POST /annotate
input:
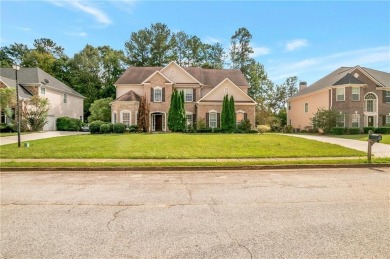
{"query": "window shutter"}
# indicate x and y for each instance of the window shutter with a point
(194, 96)
(207, 120)
(163, 94)
(383, 120)
(151, 94)
(218, 120)
(384, 96)
(245, 116)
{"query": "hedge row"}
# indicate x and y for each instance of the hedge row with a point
(102, 127)
(381, 130)
(68, 124)
(342, 131)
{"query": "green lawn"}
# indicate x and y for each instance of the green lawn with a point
(176, 146)
(364, 137)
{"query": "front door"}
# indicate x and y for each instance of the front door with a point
(158, 122)
(370, 121)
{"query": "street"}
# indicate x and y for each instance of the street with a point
(321, 213)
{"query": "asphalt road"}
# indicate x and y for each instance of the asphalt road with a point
(334, 213)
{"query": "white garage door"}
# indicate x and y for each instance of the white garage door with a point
(51, 123)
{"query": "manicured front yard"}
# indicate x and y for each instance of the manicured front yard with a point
(176, 146)
(364, 137)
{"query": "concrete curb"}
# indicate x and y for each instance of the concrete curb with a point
(192, 168)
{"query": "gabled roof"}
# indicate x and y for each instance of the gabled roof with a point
(348, 79)
(340, 75)
(34, 75)
(23, 92)
(208, 77)
(129, 97)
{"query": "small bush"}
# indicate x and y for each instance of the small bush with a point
(217, 130)
(366, 129)
(382, 130)
(245, 125)
(288, 129)
(304, 131)
(253, 131)
(105, 128)
(263, 129)
(338, 131)
(353, 131)
(133, 128)
(119, 128)
(7, 128)
(68, 124)
(94, 127)
(205, 130)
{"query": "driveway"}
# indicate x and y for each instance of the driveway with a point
(327, 213)
(378, 149)
(38, 135)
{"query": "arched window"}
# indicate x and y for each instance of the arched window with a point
(157, 94)
(306, 107)
(370, 102)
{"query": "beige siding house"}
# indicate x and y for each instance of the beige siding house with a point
(63, 100)
(361, 95)
(204, 90)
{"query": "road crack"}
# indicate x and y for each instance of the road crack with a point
(239, 244)
(114, 217)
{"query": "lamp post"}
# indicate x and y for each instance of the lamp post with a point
(16, 67)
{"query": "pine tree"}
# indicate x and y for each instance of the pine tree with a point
(177, 113)
(225, 114)
(171, 112)
(232, 113)
(181, 112)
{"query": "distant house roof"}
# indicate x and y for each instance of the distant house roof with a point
(209, 77)
(36, 75)
(128, 97)
(23, 92)
(342, 76)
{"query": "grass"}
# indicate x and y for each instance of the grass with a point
(364, 137)
(133, 146)
(14, 164)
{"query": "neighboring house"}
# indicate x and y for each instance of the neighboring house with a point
(63, 100)
(361, 95)
(204, 91)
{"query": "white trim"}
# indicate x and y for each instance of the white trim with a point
(223, 81)
(367, 74)
(216, 119)
(174, 62)
(121, 116)
(353, 93)
(114, 115)
(154, 94)
(375, 112)
(338, 94)
(152, 75)
(164, 129)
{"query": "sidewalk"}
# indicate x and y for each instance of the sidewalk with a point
(38, 135)
(378, 149)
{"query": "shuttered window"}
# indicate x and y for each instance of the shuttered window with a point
(386, 96)
(213, 120)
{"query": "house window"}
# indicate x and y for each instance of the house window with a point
(65, 98)
(126, 118)
(239, 117)
(289, 105)
(370, 102)
(213, 120)
(355, 93)
(341, 121)
(387, 96)
(188, 95)
(355, 120)
(387, 120)
(189, 119)
(136, 118)
(43, 90)
(306, 107)
(157, 94)
(340, 94)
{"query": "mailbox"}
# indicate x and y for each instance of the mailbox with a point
(375, 137)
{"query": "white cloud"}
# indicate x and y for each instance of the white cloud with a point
(78, 34)
(24, 28)
(312, 69)
(124, 5)
(85, 6)
(295, 44)
(211, 40)
(259, 51)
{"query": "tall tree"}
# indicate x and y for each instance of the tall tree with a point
(240, 49)
(225, 114)
(143, 115)
(232, 114)
(100, 110)
(176, 113)
(181, 48)
(214, 56)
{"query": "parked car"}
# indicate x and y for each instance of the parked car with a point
(85, 128)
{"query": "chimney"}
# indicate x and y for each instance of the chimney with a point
(302, 85)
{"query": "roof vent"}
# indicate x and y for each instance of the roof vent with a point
(46, 81)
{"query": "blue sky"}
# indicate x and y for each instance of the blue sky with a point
(304, 38)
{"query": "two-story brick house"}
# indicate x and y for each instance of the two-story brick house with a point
(361, 95)
(204, 90)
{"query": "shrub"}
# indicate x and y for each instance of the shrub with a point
(94, 127)
(304, 131)
(205, 130)
(217, 130)
(6, 127)
(105, 128)
(288, 129)
(338, 131)
(119, 128)
(245, 125)
(382, 130)
(133, 128)
(353, 131)
(366, 129)
(201, 123)
(68, 124)
(263, 129)
(253, 131)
